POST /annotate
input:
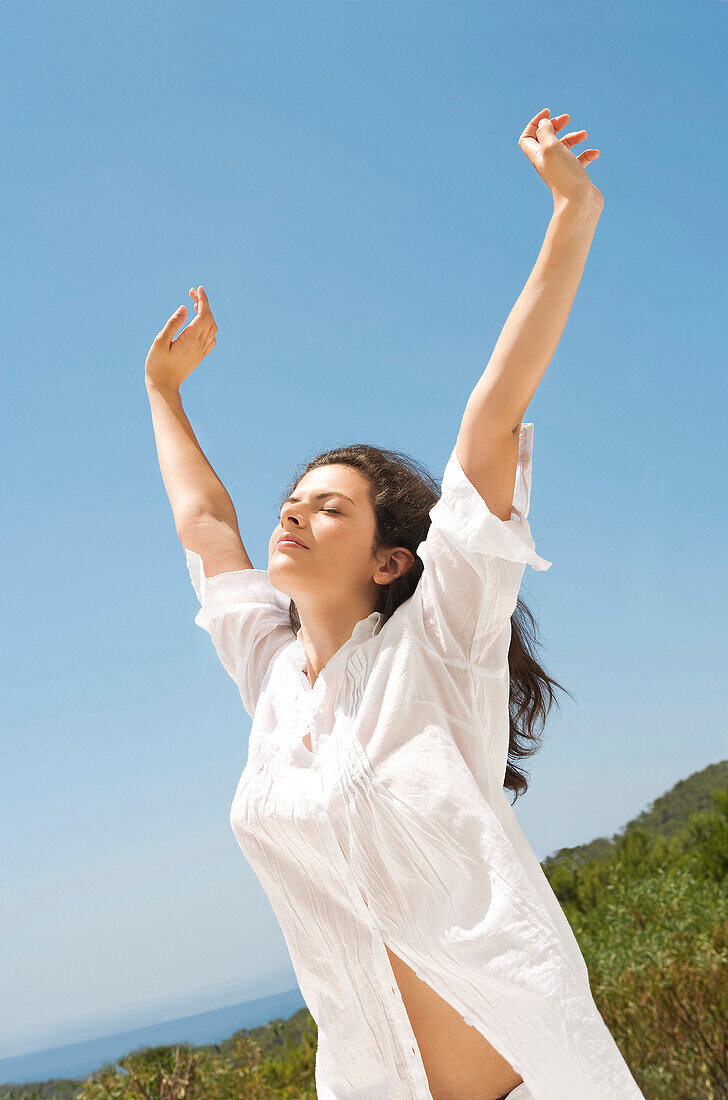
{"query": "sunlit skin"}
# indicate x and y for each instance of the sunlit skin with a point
(335, 580)
(334, 584)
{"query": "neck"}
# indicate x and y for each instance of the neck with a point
(323, 635)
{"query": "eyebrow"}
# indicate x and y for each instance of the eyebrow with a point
(320, 496)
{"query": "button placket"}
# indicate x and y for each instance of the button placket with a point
(413, 1053)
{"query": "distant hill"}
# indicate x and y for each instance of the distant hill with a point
(273, 1040)
(670, 812)
(69, 1064)
(666, 816)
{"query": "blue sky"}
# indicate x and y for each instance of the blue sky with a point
(345, 180)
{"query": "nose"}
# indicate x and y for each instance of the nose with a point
(288, 512)
(288, 522)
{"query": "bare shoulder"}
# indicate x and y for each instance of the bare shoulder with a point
(218, 544)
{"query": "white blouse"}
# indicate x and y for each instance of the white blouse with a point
(396, 828)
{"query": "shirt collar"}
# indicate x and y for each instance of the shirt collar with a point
(364, 629)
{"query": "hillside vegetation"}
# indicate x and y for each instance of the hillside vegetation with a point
(649, 908)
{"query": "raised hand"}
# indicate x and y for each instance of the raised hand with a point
(564, 173)
(169, 361)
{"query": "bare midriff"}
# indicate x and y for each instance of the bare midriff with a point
(459, 1062)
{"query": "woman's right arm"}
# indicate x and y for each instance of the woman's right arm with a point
(204, 514)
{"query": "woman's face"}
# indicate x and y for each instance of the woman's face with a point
(331, 514)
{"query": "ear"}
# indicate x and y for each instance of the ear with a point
(393, 564)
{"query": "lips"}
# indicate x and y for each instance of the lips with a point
(291, 538)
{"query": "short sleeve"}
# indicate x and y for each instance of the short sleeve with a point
(474, 561)
(247, 619)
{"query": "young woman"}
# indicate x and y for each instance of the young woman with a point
(392, 692)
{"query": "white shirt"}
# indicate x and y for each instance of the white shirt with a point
(396, 828)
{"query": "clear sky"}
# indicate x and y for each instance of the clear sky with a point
(345, 180)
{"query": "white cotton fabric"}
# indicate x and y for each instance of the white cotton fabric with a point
(396, 829)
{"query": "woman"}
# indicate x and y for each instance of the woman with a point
(380, 658)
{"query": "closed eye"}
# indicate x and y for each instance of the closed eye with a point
(330, 511)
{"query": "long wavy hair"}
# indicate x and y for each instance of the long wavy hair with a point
(402, 492)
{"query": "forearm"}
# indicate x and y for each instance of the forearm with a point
(534, 326)
(194, 489)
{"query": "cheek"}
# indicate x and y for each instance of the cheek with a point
(346, 549)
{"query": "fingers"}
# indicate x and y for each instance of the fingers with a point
(545, 134)
(198, 338)
(206, 312)
(177, 319)
(204, 322)
(203, 326)
(558, 123)
(528, 137)
(573, 139)
(541, 131)
(533, 124)
(204, 305)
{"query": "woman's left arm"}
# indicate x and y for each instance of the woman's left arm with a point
(487, 443)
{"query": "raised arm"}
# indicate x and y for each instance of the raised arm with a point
(204, 514)
(487, 444)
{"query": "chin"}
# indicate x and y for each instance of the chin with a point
(274, 569)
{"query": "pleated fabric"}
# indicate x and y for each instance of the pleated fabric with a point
(395, 828)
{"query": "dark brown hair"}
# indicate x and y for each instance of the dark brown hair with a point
(402, 492)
